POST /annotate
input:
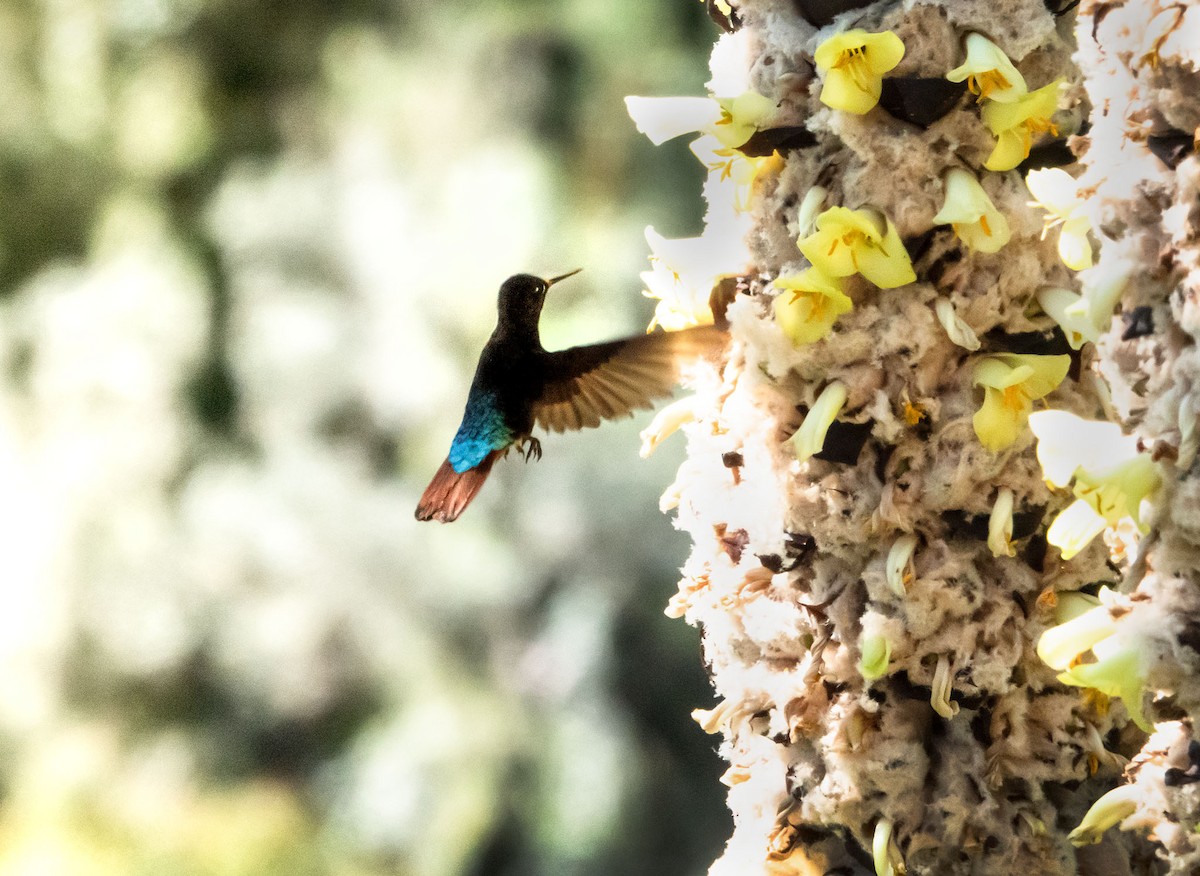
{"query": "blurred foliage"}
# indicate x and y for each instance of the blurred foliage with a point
(248, 251)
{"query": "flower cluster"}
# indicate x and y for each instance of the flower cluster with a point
(1117, 667)
(1011, 112)
(683, 272)
(1111, 477)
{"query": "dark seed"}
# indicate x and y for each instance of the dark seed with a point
(1049, 343)
(844, 442)
(1139, 322)
(1034, 554)
(1171, 148)
(821, 12)
(920, 100)
(763, 143)
(1056, 153)
(1060, 7)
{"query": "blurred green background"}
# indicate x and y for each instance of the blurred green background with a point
(248, 252)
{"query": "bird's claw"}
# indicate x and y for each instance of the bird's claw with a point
(530, 446)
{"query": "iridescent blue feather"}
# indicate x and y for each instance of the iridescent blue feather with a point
(483, 430)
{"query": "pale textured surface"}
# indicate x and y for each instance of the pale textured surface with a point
(1143, 65)
(818, 755)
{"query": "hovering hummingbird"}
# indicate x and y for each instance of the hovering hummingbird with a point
(518, 382)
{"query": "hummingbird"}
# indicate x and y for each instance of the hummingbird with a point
(519, 383)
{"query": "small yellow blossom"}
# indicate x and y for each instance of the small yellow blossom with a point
(1118, 671)
(912, 412)
(989, 72)
(899, 566)
(741, 117)
(809, 304)
(683, 273)
(860, 241)
(810, 437)
(732, 120)
(1075, 527)
(1096, 652)
(941, 687)
(956, 327)
(853, 63)
(1000, 525)
(667, 421)
(1067, 442)
(1056, 192)
(1117, 492)
(743, 173)
(1068, 309)
(810, 207)
(1109, 811)
(1014, 125)
(1111, 476)
(971, 213)
(1011, 383)
(876, 652)
(1061, 645)
(885, 853)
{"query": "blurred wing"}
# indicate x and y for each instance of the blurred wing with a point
(602, 381)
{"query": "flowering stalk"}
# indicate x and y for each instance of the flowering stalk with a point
(870, 612)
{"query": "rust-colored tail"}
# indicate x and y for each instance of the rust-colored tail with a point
(450, 492)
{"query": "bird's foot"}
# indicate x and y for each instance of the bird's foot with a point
(530, 446)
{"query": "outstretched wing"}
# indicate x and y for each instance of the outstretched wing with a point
(602, 381)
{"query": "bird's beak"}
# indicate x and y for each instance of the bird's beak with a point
(554, 280)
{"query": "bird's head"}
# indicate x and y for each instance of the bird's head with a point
(522, 295)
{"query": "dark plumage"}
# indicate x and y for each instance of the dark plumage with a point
(519, 383)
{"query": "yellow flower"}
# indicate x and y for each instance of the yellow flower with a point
(1069, 310)
(876, 652)
(814, 303)
(1000, 525)
(1109, 811)
(956, 327)
(1117, 492)
(941, 688)
(885, 853)
(741, 116)
(806, 216)
(1118, 668)
(667, 421)
(1119, 671)
(810, 437)
(732, 120)
(1014, 125)
(683, 273)
(741, 172)
(1011, 382)
(899, 566)
(971, 213)
(859, 241)
(989, 72)
(853, 63)
(1067, 442)
(1056, 192)
(1060, 645)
